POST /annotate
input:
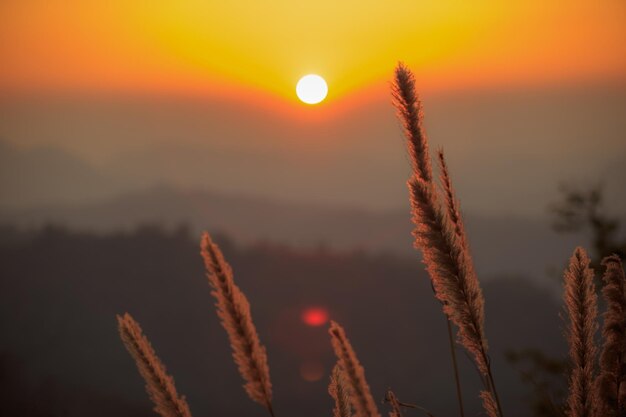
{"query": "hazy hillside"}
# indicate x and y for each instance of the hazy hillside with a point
(47, 185)
(508, 149)
(49, 175)
(60, 352)
(496, 241)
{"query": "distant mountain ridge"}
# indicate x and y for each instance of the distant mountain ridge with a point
(43, 176)
(496, 241)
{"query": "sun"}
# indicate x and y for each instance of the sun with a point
(311, 89)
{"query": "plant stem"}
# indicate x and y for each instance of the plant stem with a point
(456, 368)
(491, 383)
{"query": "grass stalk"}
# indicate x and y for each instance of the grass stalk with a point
(440, 235)
(340, 392)
(360, 394)
(580, 301)
(233, 309)
(159, 385)
(455, 366)
(611, 381)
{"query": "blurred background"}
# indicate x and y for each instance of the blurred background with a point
(127, 128)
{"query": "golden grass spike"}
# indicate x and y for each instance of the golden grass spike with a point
(360, 395)
(159, 385)
(339, 390)
(452, 204)
(441, 240)
(409, 109)
(612, 377)
(580, 302)
(455, 284)
(489, 403)
(234, 311)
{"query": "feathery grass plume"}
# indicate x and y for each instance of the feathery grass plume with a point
(452, 204)
(580, 302)
(489, 403)
(409, 109)
(612, 375)
(159, 385)
(443, 254)
(444, 249)
(360, 395)
(338, 389)
(454, 216)
(234, 311)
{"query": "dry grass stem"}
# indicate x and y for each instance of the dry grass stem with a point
(489, 403)
(440, 236)
(338, 389)
(234, 311)
(410, 113)
(360, 395)
(455, 284)
(452, 204)
(454, 216)
(580, 302)
(448, 264)
(159, 385)
(611, 382)
(455, 368)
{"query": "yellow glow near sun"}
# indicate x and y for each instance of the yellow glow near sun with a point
(181, 46)
(312, 89)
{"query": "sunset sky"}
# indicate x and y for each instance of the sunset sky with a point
(259, 47)
(202, 93)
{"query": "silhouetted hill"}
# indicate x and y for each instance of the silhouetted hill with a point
(60, 291)
(497, 242)
(49, 175)
(508, 149)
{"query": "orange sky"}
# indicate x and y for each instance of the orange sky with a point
(211, 47)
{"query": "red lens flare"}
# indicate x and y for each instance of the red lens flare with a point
(312, 371)
(315, 316)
